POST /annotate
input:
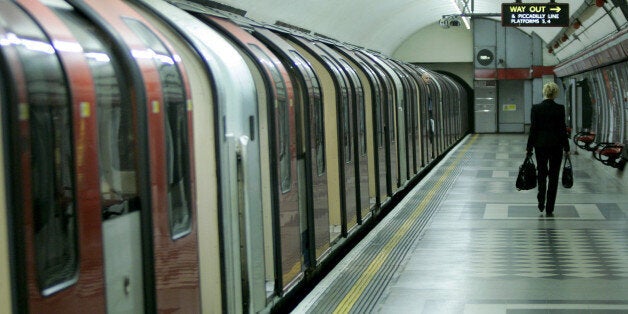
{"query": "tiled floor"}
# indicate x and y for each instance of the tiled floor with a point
(487, 249)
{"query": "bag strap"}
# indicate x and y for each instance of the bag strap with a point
(529, 159)
(567, 161)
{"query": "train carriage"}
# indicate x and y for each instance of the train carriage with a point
(166, 156)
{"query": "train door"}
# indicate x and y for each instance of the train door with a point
(120, 210)
(375, 132)
(56, 231)
(287, 153)
(397, 119)
(335, 102)
(382, 129)
(357, 121)
(485, 117)
(347, 144)
(366, 123)
(424, 116)
(440, 115)
(451, 110)
(227, 164)
(456, 116)
(405, 115)
(433, 100)
(308, 97)
(389, 117)
(511, 115)
(454, 110)
(444, 111)
(163, 175)
(411, 123)
(359, 139)
(415, 118)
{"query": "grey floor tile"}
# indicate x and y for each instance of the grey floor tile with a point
(519, 261)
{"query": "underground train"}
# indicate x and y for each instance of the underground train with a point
(596, 86)
(163, 156)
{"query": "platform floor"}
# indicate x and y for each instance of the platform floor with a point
(466, 241)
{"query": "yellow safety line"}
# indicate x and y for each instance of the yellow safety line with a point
(358, 288)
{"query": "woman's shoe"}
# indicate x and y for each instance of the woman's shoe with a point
(541, 207)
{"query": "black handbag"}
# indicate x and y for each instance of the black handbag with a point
(567, 173)
(526, 179)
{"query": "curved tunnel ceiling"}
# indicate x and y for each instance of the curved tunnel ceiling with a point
(384, 25)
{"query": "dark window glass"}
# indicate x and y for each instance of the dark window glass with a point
(283, 120)
(48, 112)
(317, 114)
(319, 122)
(176, 131)
(116, 136)
(360, 107)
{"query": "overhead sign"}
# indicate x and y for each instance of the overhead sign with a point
(535, 14)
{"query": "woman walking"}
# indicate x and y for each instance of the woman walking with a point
(549, 138)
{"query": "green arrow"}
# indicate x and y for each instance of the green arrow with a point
(556, 9)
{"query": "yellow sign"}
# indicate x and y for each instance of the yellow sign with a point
(509, 107)
(155, 105)
(85, 109)
(535, 14)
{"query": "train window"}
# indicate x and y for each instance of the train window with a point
(283, 121)
(118, 180)
(379, 125)
(347, 132)
(317, 114)
(319, 122)
(280, 84)
(176, 130)
(360, 107)
(49, 117)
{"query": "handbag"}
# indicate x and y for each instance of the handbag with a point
(567, 178)
(526, 179)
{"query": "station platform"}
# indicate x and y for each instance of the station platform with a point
(464, 240)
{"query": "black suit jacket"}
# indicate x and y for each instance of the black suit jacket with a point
(548, 127)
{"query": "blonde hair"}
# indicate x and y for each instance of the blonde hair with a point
(550, 90)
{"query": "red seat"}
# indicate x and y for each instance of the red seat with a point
(585, 140)
(610, 154)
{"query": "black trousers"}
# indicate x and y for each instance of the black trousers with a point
(548, 161)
